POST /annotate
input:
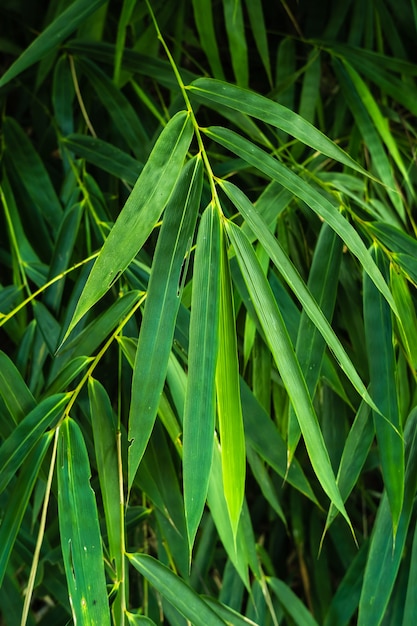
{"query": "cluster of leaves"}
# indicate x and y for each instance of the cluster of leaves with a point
(208, 313)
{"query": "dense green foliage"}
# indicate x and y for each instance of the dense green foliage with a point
(208, 327)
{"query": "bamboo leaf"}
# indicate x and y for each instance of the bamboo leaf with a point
(105, 156)
(79, 530)
(316, 201)
(19, 499)
(140, 213)
(203, 15)
(17, 397)
(200, 401)
(270, 112)
(287, 364)
(161, 308)
(284, 265)
(18, 445)
(65, 24)
(233, 19)
(382, 368)
(386, 547)
(105, 444)
(228, 399)
(175, 590)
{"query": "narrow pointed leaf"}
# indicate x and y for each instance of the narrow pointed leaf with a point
(386, 548)
(140, 213)
(316, 201)
(105, 444)
(228, 399)
(52, 36)
(382, 368)
(161, 308)
(288, 366)
(176, 591)
(200, 401)
(80, 531)
(16, 395)
(19, 500)
(295, 282)
(17, 446)
(270, 112)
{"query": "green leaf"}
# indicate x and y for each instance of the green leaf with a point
(200, 401)
(228, 398)
(310, 347)
(31, 172)
(270, 112)
(203, 15)
(382, 368)
(79, 530)
(176, 591)
(386, 549)
(16, 395)
(140, 213)
(18, 501)
(161, 308)
(257, 23)
(52, 36)
(291, 275)
(314, 199)
(105, 156)
(287, 364)
(233, 20)
(291, 603)
(105, 445)
(18, 445)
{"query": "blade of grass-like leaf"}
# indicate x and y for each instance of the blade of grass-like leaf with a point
(200, 401)
(410, 608)
(381, 123)
(65, 376)
(228, 398)
(407, 321)
(386, 549)
(31, 172)
(119, 108)
(316, 201)
(140, 213)
(270, 112)
(355, 453)
(294, 280)
(382, 369)
(264, 437)
(291, 603)
(79, 529)
(203, 15)
(105, 156)
(310, 347)
(16, 395)
(161, 308)
(176, 591)
(17, 446)
(52, 36)
(18, 501)
(258, 28)
(366, 119)
(65, 241)
(122, 26)
(346, 599)
(105, 444)
(287, 364)
(233, 19)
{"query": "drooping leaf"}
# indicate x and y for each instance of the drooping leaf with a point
(140, 213)
(162, 304)
(200, 402)
(79, 529)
